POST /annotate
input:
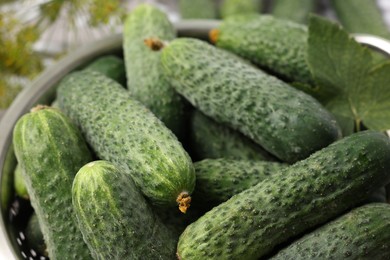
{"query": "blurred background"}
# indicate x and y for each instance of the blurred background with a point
(34, 34)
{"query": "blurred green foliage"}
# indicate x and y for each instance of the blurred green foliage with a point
(18, 61)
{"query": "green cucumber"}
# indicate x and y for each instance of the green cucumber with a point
(199, 9)
(361, 16)
(110, 66)
(285, 205)
(283, 120)
(277, 45)
(293, 10)
(123, 131)
(34, 235)
(217, 180)
(19, 183)
(50, 150)
(114, 217)
(146, 81)
(208, 139)
(363, 233)
(242, 7)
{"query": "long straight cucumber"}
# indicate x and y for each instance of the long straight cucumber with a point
(309, 193)
(146, 81)
(363, 233)
(283, 120)
(50, 150)
(123, 131)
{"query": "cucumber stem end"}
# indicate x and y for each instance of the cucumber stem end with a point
(184, 200)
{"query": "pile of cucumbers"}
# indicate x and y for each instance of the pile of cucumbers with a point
(185, 150)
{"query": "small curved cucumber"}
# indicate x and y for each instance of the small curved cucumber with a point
(123, 131)
(307, 194)
(362, 233)
(50, 150)
(114, 217)
(285, 121)
(209, 139)
(217, 180)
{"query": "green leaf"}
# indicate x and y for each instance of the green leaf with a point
(374, 101)
(356, 90)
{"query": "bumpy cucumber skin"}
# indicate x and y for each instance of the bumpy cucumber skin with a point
(123, 131)
(114, 217)
(286, 122)
(306, 194)
(212, 140)
(50, 150)
(363, 233)
(275, 44)
(146, 81)
(110, 66)
(217, 180)
(361, 16)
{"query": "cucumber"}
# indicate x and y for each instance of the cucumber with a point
(123, 131)
(217, 180)
(50, 151)
(208, 139)
(114, 217)
(361, 16)
(34, 235)
(283, 120)
(19, 183)
(277, 45)
(242, 7)
(199, 9)
(146, 81)
(285, 205)
(362, 233)
(293, 10)
(110, 66)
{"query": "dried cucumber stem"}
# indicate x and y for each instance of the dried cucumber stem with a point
(39, 107)
(184, 200)
(213, 35)
(154, 44)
